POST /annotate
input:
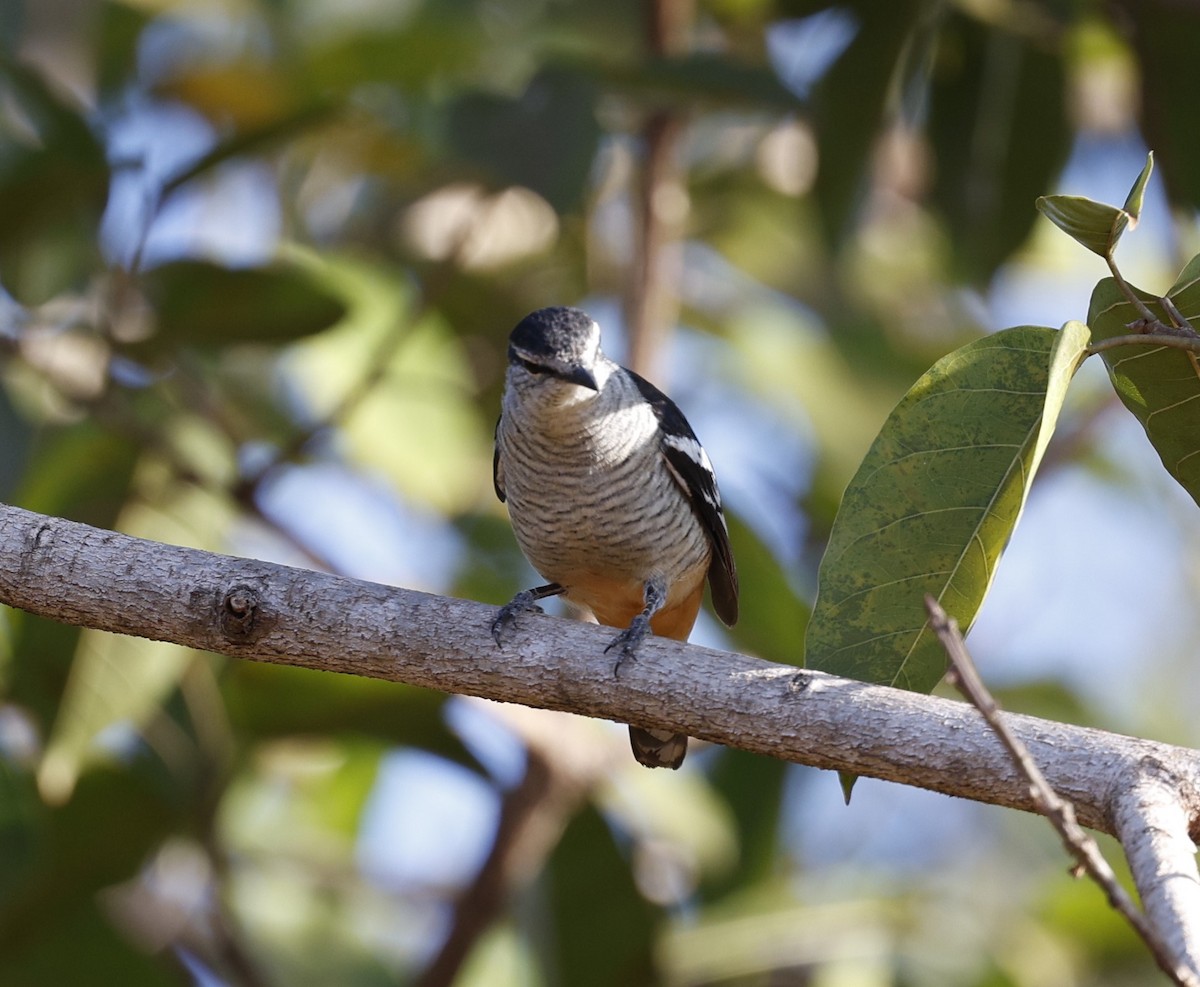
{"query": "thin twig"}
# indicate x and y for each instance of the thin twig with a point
(652, 300)
(533, 815)
(1129, 293)
(1177, 318)
(1191, 343)
(1061, 813)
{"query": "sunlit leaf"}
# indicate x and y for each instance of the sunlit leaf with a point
(1158, 384)
(115, 680)
(1097, 225)
(1133, 201)
(198, 303)
(416, 375)
(934, 503)
(501, 958)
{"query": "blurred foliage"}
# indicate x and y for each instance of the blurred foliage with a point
(258, 260)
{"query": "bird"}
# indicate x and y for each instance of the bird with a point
(612, 498)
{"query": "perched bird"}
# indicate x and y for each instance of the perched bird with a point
(612, 497)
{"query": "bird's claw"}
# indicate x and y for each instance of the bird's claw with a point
(523, 602)
(628, 641)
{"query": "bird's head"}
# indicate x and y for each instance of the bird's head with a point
(558, 343)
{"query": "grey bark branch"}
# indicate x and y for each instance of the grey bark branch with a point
(1152, 824)
(266, 612)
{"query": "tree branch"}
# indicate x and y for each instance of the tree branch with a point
(266, 612)
(1152, 822)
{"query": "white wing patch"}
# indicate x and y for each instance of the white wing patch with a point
(691, 447)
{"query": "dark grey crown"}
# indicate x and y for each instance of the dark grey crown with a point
(561, 335)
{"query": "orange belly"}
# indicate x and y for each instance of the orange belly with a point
(615, 603)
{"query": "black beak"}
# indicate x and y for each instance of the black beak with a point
(579, 375)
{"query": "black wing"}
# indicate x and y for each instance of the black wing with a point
(497, 479)
(694, 473)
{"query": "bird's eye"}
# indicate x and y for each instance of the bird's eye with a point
(533, 368)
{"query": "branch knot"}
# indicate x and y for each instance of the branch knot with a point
(240, 611)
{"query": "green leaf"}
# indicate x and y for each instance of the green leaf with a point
(266, 701)
(437, 42)
(1097, 225)
(22, 822)
(16, 437)
(1133, 201)
(53, 189)
(773, 615)
(1163, 39)
(934, 503)
(117, 37)
(753, 788)
(703, 78)
(999, 140)
(258, 139)
(1158, 384)
(81, 946)
(102, 836)
(852, 102)
(590, 889)
(546, 140)
(201, 303)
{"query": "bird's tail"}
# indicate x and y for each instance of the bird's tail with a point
(658, 748)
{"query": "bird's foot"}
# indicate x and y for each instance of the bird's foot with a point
(524, 602)
(628, 641)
